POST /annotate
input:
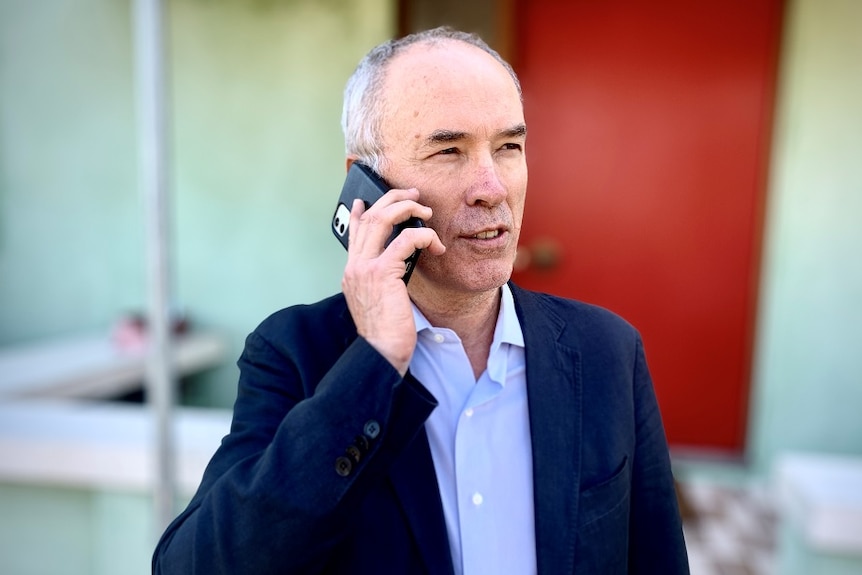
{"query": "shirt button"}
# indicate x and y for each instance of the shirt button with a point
(438, 337)
(468, 412)
(477, 499)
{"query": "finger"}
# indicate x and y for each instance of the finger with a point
(372, 228)
(356, 211)
(397, 206)
(412, 239)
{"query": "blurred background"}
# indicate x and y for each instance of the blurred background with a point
(695, 168)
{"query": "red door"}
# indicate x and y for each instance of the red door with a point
(649, 132)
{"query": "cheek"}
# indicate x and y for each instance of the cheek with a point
(517, 201)
(440, 219)
(440, 198)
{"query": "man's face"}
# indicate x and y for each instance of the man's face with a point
(453, 127)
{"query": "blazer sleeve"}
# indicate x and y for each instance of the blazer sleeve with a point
(309, 437)
(656, 543)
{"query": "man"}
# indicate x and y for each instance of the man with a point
(453, 425)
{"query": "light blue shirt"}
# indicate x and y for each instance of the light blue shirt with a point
(480, 443)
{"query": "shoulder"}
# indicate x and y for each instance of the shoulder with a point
(571, 315)
(332, 308)
(599, 335)
(327, 321)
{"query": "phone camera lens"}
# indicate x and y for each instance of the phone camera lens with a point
(339, 225)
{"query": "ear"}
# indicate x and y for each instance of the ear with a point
(350, 160)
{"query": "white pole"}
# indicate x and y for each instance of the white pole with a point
(154, 177)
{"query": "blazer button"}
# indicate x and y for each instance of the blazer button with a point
(354, 453)
(362, 442)
(372, 429)
(343, 466)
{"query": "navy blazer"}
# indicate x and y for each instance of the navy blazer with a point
(327, 467)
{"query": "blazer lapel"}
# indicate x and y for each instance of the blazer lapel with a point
(415, 483)
(554, 398)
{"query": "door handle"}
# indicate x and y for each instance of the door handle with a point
(540, 254)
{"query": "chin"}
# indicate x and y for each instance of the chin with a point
(477, 279)
(495, 278)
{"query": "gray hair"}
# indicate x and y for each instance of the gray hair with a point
(362, 115)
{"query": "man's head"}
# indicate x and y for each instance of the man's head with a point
(362, 110)
(441, 112)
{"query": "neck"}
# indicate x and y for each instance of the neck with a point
(472, 316)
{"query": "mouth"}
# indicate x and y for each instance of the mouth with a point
(487, 235)
(487, 239)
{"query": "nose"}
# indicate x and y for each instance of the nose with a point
(486, 187)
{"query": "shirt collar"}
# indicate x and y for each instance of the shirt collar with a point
(508, 329)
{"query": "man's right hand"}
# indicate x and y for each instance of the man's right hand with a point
(376, 295)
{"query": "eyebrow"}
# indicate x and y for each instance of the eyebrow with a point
(519, 131)
(448, 136)
(445, 137)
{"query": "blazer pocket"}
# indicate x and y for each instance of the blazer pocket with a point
(603, 498)
(604, 524)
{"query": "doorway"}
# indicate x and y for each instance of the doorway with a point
(649, 138)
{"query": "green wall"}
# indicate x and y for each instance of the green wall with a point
(808, 382)
(259, 157)
(70, 239)
(46, 531)
(50, 530)
(257, 162)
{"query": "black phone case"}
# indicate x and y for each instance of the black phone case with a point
(364, 184)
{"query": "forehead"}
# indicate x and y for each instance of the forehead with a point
(447, 85)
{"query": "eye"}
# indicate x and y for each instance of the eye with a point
(512, 146)
(448, 151)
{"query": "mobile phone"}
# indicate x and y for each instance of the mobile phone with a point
(364, 184)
